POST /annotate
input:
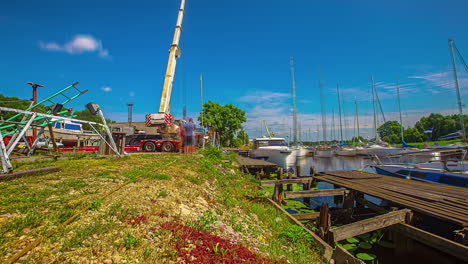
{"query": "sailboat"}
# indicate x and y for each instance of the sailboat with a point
(350, 151)
(323, 151)
(299, 149)
(376, 149)
(450, 172)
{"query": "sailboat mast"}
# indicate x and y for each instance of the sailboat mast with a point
(375, 108)
(357, 118)
(322, 104)
(339, 112)
(294, 101)
(399, 110)
(333, 125)
(460, 105)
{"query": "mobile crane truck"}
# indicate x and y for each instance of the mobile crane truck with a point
(167, 138)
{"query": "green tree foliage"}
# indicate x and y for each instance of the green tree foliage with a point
(87, 116)
(413, 135)
(16, 103)
(243, 136)
(441, 125)
(226, 120)
(390, 132)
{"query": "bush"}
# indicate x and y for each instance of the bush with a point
(212, 153)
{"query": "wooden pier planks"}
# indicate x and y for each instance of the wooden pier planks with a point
(444, 202)
(254, 163)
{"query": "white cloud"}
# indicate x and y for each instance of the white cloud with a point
(441, 81)
(78, 45)
(106, 89)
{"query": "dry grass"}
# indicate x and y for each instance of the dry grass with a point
(125, 227)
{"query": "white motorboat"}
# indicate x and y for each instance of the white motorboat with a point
(274, 150)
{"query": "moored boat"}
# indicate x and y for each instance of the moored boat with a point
(274, 150)
(443, 172)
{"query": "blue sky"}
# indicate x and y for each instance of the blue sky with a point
(118, 50)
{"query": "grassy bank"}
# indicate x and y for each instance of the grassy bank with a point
(166, 208)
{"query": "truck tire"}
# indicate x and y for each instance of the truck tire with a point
(167, 147)
(149, 147)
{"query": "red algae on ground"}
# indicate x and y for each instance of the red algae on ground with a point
(195, 246)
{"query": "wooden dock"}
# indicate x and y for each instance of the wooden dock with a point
(408, 202)
(444, 202)
(255, 166)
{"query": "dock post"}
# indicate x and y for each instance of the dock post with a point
(324, 220)
(312, 171)
(279, 176)
(289, 186)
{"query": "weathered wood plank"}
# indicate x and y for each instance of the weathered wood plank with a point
(287, 181)
(326, 250)
(20, 174)
(341, 255)
(315, 193)
(306, 216)
(369, 225)
(450, 247)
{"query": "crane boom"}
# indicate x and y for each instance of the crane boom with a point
(174, 53)
(270, 134)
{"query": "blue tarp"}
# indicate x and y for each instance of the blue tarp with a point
(406, 145)
(450, 136)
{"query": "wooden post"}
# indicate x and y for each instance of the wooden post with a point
(278, 194)
(324, 220)
(306, 187)
(280, 174)
(52, 136)
(289, 186)
(298, 171)
(313, 170)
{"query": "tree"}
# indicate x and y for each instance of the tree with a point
(243, 136)
(441, 125)
(390, 132)
(87, 116)
(413, 135)
(224, 120)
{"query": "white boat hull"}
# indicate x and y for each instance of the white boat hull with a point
(284, 158)
(324, 153)
(346, 152)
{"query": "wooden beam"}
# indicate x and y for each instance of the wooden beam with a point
(306, 216)
(315, 193)
(287, 181)
(20, 174)
(369, 225)
(325, 249)
(371, 205)
(341, 255)
(448, 246)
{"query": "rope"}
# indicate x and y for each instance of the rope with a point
(460, 57)
(69, 220)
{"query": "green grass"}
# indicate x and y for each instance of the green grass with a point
(45, 201)
(433, 143)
